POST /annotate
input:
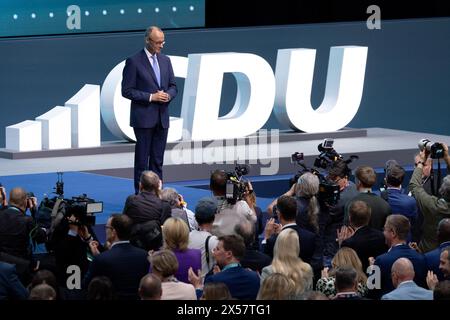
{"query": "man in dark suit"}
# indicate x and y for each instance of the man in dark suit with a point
(123, 264)
(253, 259)
(242, 283)
(149, 82)
(287, 213)
(395, 232)
(366, 241)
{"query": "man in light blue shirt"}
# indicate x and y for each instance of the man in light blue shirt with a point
(402, 279)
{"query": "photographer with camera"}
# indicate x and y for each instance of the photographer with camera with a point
(70, 242)
(228, 214)
(433, 208)
(339, 174)
(15, 231)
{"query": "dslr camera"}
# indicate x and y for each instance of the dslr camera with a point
(236, 186)
(434, 149)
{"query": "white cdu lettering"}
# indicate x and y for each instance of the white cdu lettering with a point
(343, 93)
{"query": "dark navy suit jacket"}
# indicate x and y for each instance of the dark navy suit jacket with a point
(243, 284)
(367, 242)
(139, 81)
(386, 260)
(307, 239)
(124, 265)
(433, 257)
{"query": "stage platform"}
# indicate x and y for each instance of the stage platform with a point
(268, 154)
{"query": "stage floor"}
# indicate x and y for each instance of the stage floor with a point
(187, 162)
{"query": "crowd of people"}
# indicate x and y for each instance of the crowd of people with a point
(390, 245)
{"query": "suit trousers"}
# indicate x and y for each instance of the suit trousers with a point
(149, 151)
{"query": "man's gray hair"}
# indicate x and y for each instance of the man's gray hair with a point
(150, 30)
(171, 196)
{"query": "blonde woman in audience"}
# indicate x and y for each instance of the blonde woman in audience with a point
(287, 262)
(216, 291)
(345, 257)
(176, 238)
(164, 264)
(275, 287)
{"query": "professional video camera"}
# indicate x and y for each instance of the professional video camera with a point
(236, 185)
(52, 210)
(327, 154)
(83, 208)
(435, 149)
(329, 192)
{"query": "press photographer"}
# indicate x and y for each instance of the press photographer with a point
(71, 221)
(433, 208)
(229, 189)
(70, 239)
(15, 230)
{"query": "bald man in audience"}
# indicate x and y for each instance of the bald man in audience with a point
(403, 280)
(150, 288)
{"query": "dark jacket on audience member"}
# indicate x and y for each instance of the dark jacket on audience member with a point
(15, 228)
(243, 284)
(124, 265)
(146, 206)
(367, 242)
(386, 260)
(307, 240)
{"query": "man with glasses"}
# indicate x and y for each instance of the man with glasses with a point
(149, 82)
(123, 264)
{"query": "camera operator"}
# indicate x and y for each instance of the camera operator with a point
(228, 215)
(339, 174)
(15, 230)
(433, 208)
(70, 243)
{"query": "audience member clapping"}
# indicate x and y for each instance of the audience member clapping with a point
(176, 239)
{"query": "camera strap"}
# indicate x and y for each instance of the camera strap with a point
(207, 249)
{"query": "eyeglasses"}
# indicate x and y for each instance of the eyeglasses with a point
(157, 42)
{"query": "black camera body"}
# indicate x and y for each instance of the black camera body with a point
(83, 208)
(435, 149)
(236, 186)
(329, 192)
(327, 154)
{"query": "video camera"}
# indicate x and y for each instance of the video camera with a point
(435, 149)
(329, 192)
(236, 186)
(327, 154)
(82, 207)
